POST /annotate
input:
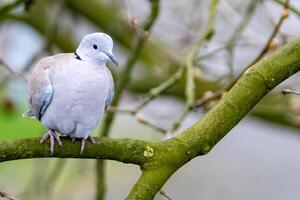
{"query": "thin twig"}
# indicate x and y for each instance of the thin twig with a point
(154, 92)
(210, 54)
(143, 121)
(7, 7)
(6, 196)
(138, 117)
(189, 63)
(219, 49)
(273, 22)
(238, 31)
(284, 15)
(294, 9)
(205, 37)
(163, 193)
(176, 125)
(289, 91)
(11, 71)
(50, 33)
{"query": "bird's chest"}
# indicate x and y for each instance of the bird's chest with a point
(81, 87)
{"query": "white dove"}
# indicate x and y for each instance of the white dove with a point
(69, 92)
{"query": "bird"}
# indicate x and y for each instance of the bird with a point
(70, 92)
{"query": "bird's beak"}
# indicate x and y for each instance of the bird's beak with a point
(111, 57)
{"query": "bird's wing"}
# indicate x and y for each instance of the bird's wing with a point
(40, 88)
(111, 91)
(109, 98)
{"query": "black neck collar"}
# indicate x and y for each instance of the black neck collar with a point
(77, 56)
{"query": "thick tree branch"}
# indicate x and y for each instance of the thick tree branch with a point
(150, 182)
(123, 150)
(159, 161)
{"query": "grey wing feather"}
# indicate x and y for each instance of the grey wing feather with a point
(111, 91)
(40, 89)
(109, 98)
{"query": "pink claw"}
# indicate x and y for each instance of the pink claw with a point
(82, 146)
(92, 139)
(51, 134)
(83, 143)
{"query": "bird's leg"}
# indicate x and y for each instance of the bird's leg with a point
(58, 139)
(51, 134)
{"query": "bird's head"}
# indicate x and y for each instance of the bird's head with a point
(96, 48)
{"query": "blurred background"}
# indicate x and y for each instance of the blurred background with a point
(259, 159)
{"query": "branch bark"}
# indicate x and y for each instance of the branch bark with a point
(123, 150)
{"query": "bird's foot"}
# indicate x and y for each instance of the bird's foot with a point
(83, 143)
(51, 134)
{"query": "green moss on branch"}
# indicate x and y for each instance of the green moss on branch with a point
(123, 150)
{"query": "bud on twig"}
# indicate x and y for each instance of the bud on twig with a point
(289, 91)
(134, 22)
(285, 13)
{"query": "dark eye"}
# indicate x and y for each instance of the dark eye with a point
(95, 46)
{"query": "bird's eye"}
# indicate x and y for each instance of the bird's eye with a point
(95, 46)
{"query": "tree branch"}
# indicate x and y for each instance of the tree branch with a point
(160, 160)
(150, 182)
(123, 150)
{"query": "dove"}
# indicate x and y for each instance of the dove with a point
(69, 92)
